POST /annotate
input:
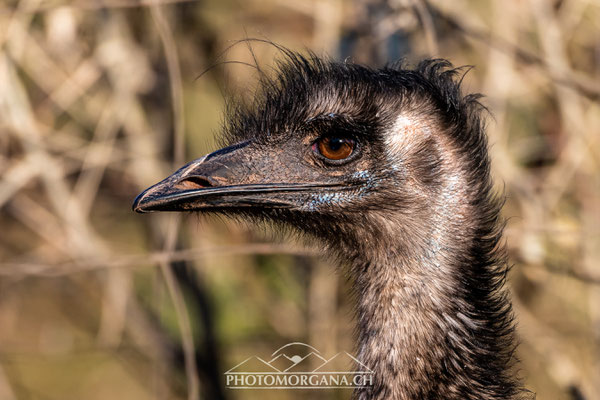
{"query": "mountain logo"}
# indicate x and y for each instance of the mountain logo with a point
(299, 366)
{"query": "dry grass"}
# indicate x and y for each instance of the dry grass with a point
(98, 100)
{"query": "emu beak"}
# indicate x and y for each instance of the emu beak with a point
(233, 177)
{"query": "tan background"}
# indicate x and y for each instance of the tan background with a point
(98, 100)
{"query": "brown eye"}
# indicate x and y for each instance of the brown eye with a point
(335, 148)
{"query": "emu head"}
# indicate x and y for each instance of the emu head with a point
(337, 150)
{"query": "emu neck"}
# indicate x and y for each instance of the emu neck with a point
(431, 322)
(403, 334)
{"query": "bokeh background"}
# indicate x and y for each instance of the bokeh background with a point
(101, 98)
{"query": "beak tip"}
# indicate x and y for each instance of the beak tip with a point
(138, 205)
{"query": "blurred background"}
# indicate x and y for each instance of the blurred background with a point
(101, 98)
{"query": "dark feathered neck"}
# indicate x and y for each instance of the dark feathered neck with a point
(434, 318)
(425, 338)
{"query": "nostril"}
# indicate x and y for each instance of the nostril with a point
(194, 182)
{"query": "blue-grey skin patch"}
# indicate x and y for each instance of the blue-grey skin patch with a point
(369, 183)
(361, 175)
(315, 201)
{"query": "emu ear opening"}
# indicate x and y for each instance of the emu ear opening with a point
(405, 134)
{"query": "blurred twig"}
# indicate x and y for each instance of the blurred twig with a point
(49, 269)
(589, 88)
(181, 310)
(47, 5)
(428, 26)
(6, 392)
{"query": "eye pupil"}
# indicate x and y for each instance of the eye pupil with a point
(335, 148)
(336, 143)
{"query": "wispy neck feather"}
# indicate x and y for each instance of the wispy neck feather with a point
(434, 320)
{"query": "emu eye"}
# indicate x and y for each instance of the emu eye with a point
(335, 148)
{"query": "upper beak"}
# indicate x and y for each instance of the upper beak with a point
(223, 179)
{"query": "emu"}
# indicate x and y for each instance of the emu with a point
(389, 169)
